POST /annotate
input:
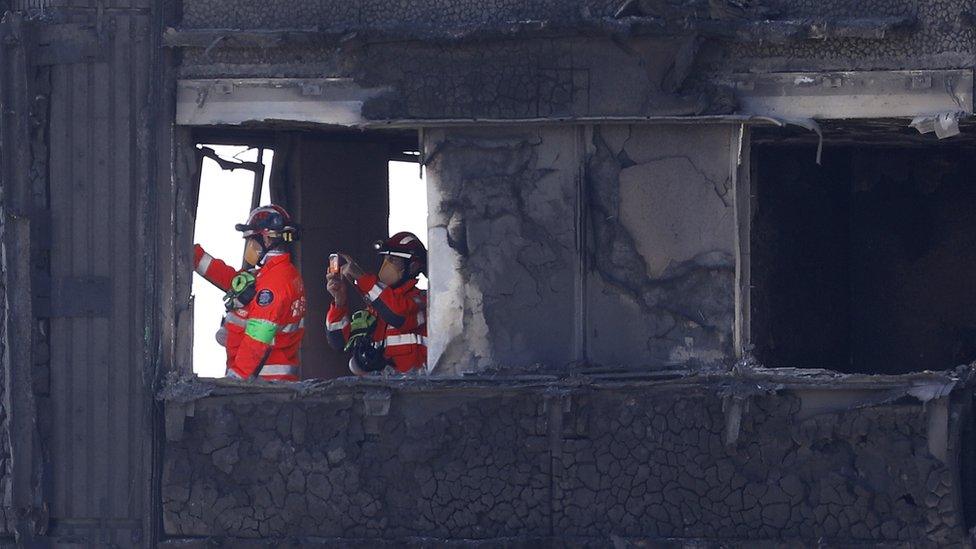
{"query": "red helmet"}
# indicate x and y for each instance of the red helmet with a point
(407, 246)
(271, 221)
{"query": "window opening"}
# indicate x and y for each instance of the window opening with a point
(864, 263)
(408, 202)
(233, 181)
(345, 189)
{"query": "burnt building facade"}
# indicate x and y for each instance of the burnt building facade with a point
(699, 272)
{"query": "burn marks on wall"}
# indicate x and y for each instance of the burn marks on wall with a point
(813, 457)
(338, 467)
(941, 38)
(660, 247)
(610, 245)
(503, 246)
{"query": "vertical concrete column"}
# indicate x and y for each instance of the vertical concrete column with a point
(504, 247)
(661, 247)
(342, 197)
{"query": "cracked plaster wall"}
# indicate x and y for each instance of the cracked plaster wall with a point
(660, 289)
(520, 462)
(611, 245)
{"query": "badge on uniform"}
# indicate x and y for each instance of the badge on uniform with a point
(265, 297)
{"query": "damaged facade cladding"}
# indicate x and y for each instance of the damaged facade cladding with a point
(616, 231)
(754, 455)
(589, 192)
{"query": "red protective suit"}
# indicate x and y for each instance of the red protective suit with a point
(269, 329)
(401, 322)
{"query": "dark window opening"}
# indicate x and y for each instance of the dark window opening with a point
(346, 189)
(864, 263)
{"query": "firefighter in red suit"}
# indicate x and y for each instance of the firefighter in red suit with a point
(398, 336)
(263, 328)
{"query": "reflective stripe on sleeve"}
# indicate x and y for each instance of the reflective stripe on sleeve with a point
(279, 370)
(405, 339)
(235, 319)
(336, 326)
(261, 330)
(375, 291)
(232, 374)
(204, 264)
(293, 327)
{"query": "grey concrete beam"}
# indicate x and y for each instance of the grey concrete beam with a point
(332, 101)
(862, 94)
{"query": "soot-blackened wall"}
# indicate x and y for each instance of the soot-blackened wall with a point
(761, 457)
(610, 245)
(940, 37)
(660, 252)
(864, 263)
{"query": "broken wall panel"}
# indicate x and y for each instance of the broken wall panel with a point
(504, 258)
(660, 245)
(796, 457)
(642, 275)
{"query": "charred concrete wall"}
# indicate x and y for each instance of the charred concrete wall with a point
(759, 456)
(610, 245)
(503, 237)
(941, 35)
(660, 244)
(532, 78)
(503, 60)
(380, 14)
